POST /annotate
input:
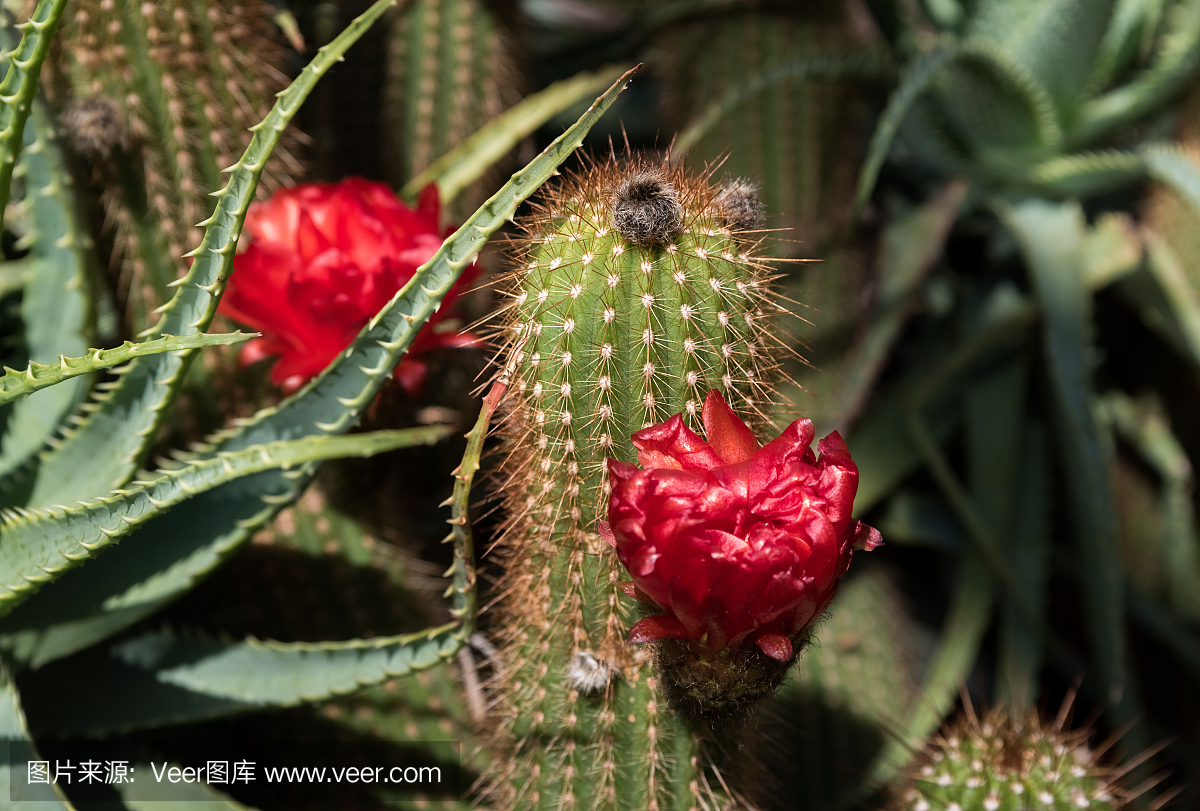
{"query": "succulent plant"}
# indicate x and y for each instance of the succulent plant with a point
(997, 763)
(630, 298)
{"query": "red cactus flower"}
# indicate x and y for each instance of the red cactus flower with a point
(735, 542)
(322, 260)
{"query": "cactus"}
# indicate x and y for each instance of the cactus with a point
(631, 298)
(450, 71)
(999, 763)
(789, 137)
(160, 97)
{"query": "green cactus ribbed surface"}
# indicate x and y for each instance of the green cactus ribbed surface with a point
(451, 69)
(793, 138)
(160, 97)
(1001, 764)
(606, 336)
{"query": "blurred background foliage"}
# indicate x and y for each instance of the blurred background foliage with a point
(986, 216)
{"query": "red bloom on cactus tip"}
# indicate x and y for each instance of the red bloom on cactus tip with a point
(321, 261)
(737, 543)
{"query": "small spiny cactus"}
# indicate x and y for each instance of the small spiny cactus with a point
(999, 763)
(631, 298)
(159, 98)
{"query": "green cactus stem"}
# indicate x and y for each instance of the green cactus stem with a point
(159, 98)
(630, 299)
(451, 69)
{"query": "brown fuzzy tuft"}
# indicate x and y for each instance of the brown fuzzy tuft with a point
(95, 127)
(741, 209)
(646, 208)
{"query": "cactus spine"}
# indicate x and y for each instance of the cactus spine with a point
(161, 97)
(631, 298)
(1002, 764)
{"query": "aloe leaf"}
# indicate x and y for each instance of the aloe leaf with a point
(158, 679)
(1181, 314)
(883, 450)
(1033, 32)
(1028, 551)
(172, 552)
(1174, 59)
(1130, 29)
(105, 451)
(39, 545)
(470, 159)
(17, 747)
(1051, 237)
(1147, 430)
(56, 307)
(915, 82)
(996, 444)
(1176, 166)
(20, 86)
(1112, 250)
(1087, 173)
(912, 244)
(17, 383)
(1002, 107)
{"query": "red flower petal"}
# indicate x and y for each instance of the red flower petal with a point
(777, 646)
(731, 438)
(322, 259)
(652, 628)
(672, 444)
(735, 542)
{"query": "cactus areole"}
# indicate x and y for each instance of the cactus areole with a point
(635, 293)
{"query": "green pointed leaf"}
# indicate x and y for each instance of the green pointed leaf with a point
(1087, 173)
(20, 86)
(164, 559)
(1130, 30)
(1174, 59)
(1179, 312)
(1145, 427)
(1176, 166)
(915, 82)
(56, 308)
(17, 383)
(1034, 33)
(1003, 110)
(912, 244)
(1051, 237)
(16, 742)
(1028, 552)
(104, 452)
(39, 545)
(161, 679)
(470, 159)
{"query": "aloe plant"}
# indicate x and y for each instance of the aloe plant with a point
(52, 554)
